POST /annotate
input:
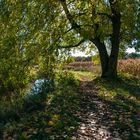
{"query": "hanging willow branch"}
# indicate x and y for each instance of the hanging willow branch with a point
(71, 46)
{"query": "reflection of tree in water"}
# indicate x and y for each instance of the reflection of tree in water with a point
(39, 86)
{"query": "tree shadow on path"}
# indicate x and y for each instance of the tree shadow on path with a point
(109, 110)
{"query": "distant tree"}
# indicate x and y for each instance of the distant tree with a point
(133, 55)
(80, 58)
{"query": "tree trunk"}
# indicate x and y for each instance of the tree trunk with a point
(104, 58)
(109, 63)
(115, 39)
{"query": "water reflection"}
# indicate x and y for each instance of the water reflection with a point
(41, 86)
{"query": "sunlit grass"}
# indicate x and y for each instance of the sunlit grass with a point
(126, 88)
(123, 97)
(86, 76)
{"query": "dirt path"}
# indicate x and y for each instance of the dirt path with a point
(96, 118)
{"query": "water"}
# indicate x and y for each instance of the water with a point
(40, 86)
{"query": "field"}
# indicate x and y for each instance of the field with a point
(80, 66)
(128, 66)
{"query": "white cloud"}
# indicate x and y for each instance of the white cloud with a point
(130, 50)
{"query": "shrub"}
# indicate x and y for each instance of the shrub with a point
(66, 78)
(11, 106)
(80, 66)
(130, 66)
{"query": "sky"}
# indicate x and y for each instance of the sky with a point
(83, 54)
(80, 53)
(130, 50)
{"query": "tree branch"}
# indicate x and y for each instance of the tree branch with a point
(71, 46)
(69, 16)
(55, 41)
(105, 14)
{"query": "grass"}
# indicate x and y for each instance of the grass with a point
(86, 76)
(125, 88)
(123, 100)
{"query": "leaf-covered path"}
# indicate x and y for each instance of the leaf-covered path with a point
(95, 109)
(100, 119)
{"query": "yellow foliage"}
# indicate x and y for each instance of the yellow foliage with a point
(54, 120)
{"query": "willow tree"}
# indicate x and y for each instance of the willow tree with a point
(104, 23)
(25, 41)
(40, 28)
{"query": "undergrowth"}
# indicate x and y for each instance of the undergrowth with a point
(52, 118)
